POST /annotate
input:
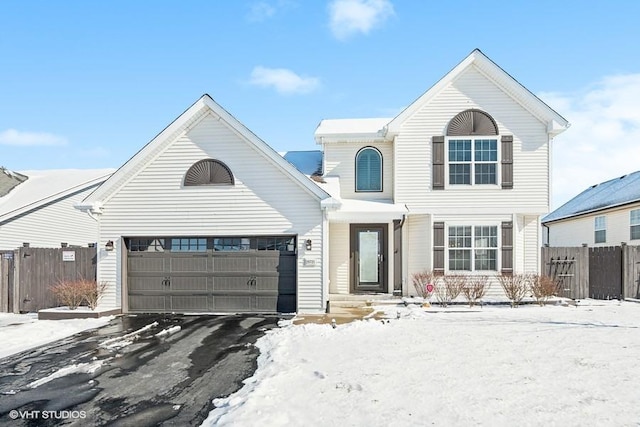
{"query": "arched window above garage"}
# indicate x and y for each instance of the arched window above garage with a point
(208, 172)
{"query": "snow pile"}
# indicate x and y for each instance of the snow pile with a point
(127, 339)
(77, 368)
(531, 365)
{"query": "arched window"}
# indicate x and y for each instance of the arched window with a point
(472, 122)
(208, 172)
(369, 170)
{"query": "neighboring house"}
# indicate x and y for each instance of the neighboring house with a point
(208, 218)
(37, 207)
(605, 214)
(456, 183)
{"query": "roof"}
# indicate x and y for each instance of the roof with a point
(344, 129)
(615, 192)
(307, 162)
(204, 105)
(555, 122)
(46, 186)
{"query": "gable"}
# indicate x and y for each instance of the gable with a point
(479, 64)
(205, 107)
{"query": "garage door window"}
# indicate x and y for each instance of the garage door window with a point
(189, 244)
(146, 245)
(232, 244)
(282, 244)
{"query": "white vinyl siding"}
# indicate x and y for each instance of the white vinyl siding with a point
(51, 225)
(418, 247)
(339, 258)
(530, 193)
(263, 201)
(340, 160)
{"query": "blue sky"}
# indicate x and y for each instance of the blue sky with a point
(86, 84)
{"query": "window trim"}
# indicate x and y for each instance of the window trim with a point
(596, 229)
(631, 224)
(473, 248)
(360, 151)
(473, 162)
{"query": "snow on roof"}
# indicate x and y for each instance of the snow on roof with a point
(615, 192)
(44, 186)
(307, 162)
(351, 127)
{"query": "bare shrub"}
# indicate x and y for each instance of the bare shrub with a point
(543, 288)
(515, 287)
(73, 293)
(423, 282)
(69, 293)
(449, 287)
(475, 288)
(93, 292)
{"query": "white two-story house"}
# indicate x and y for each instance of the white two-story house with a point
(207, 217)
(456, 183)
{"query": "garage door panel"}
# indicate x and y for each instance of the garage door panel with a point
(142, 265)
(189, 283)
(191, 265)
(232, 303)
(147, 303)
(232, 283)
(151, 283)
(231, 263)
(276, 264)
(189, 303)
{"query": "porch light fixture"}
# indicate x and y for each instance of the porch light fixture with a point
(109, 245)
(307, 244)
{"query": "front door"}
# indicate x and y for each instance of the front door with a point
(368, 258)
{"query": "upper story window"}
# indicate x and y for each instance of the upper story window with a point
(472, 152)
(208, 172)
(634, 224)
(369, 170)
(600, 228)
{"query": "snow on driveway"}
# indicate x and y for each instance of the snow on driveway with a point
(20, 332)
(555, 365)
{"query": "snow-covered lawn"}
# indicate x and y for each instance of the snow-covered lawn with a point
(19, 332)
(496, 366)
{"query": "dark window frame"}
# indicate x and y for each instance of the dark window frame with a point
(379, 188)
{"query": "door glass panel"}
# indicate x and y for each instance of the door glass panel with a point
(368, 258)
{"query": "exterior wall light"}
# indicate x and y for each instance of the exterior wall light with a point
(109, 245)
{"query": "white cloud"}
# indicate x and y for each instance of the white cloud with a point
(20, 138)
(602, 142)
(283, 80)
(349, 17)
(261, 11)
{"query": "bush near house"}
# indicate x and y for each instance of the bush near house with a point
(423, 282)
(515, 286)
(448, 288)
(543, 288)
(475, 288)
(74, 293)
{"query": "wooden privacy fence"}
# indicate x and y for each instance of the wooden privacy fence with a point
(608, 272)
(26, 275)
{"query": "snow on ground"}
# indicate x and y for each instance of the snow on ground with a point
(20, 332)
(526, 366)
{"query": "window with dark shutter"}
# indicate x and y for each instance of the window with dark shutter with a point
(208, 172)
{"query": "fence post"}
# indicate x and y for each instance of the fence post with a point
(624, 273)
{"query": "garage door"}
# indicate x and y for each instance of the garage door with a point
(212, 274)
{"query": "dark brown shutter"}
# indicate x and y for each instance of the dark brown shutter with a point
(507, 161)
(437, 157)
(438, 247)
(507, 247)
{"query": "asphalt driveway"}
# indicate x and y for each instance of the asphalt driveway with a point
(144, 370)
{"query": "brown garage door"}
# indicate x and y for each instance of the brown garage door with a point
(212, 274)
